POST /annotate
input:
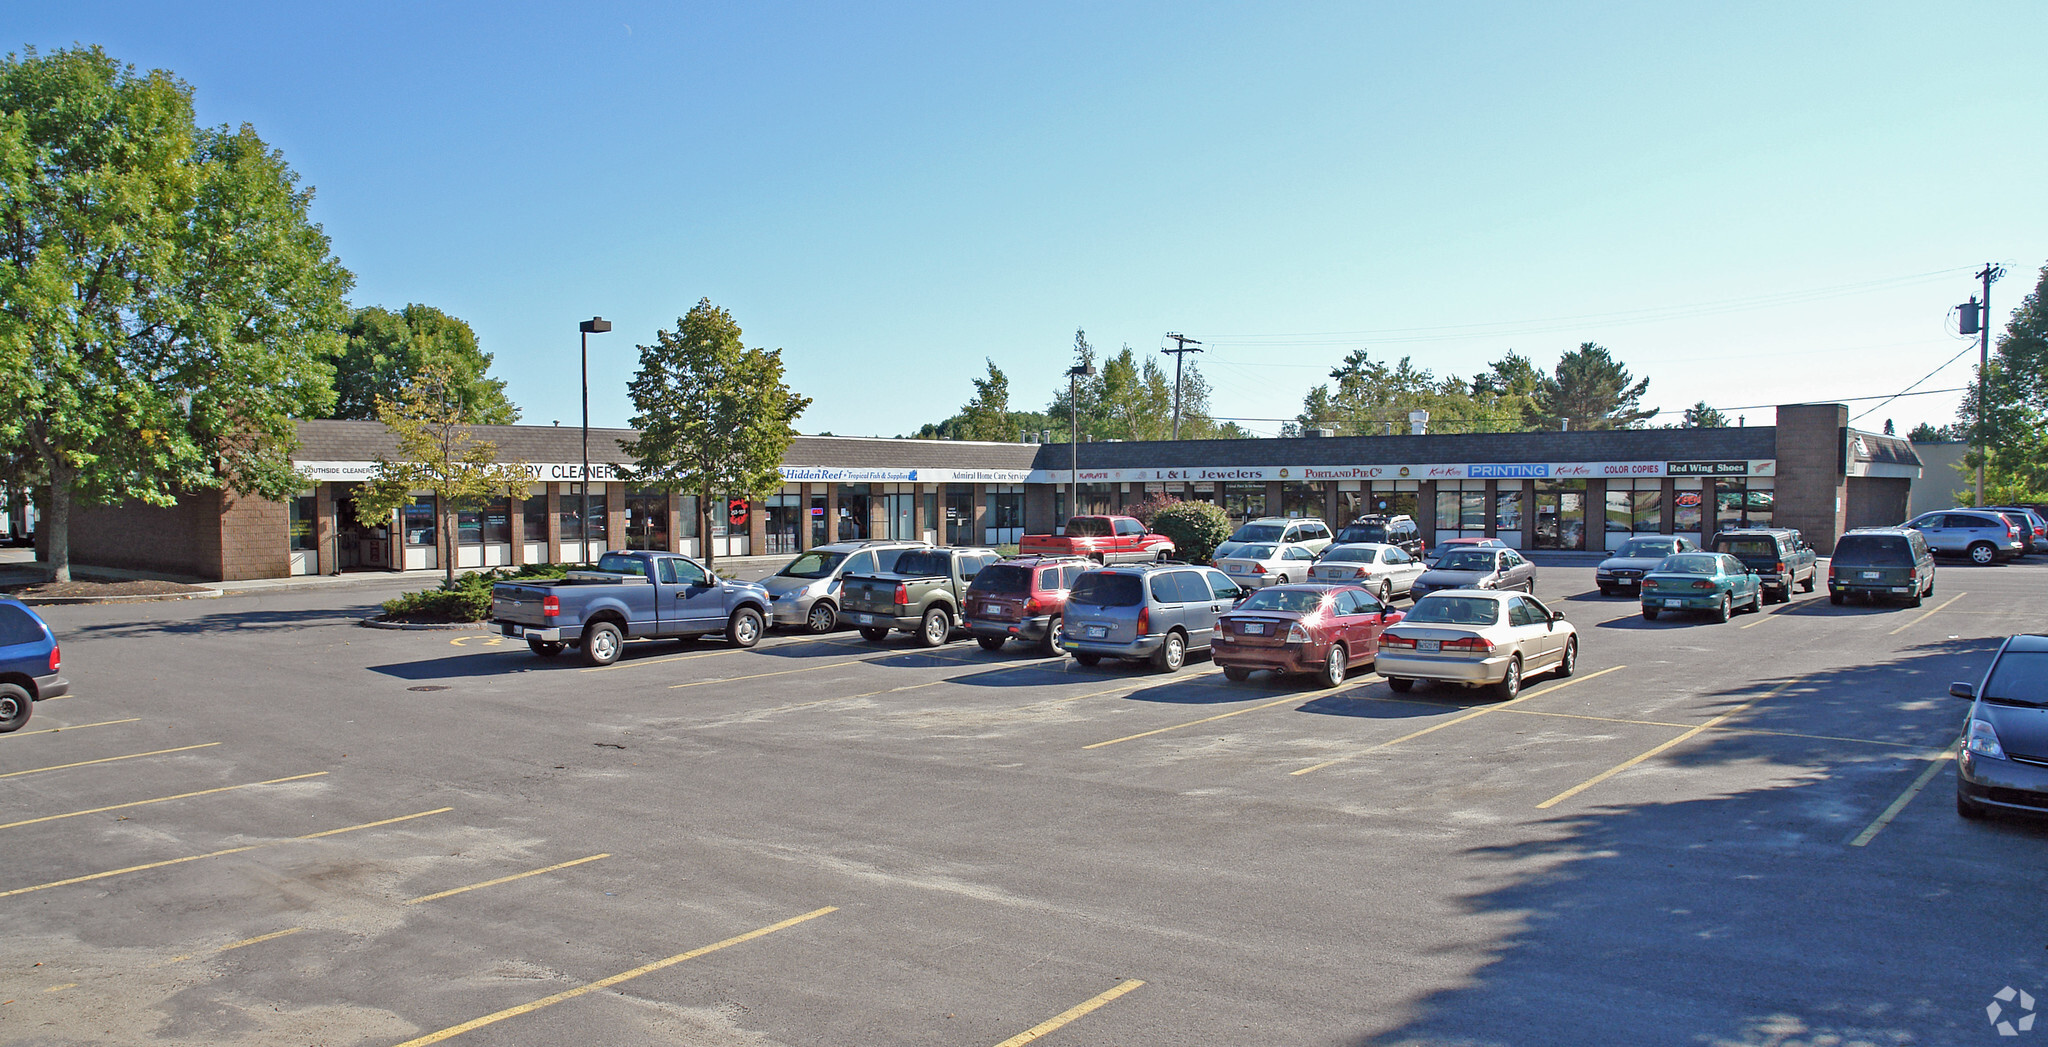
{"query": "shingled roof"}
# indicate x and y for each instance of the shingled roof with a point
(351, 441)
(1601, 445)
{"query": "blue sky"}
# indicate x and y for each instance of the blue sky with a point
(1748, 203)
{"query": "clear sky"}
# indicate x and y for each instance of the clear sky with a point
(1747, 203)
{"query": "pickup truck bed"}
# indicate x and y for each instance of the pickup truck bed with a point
(634, 595)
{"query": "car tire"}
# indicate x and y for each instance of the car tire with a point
(16, 706)
(1236, 673)
(990, 643)
(936, 628)
(1835, 598)
(1569, 664)
(1607, 590)
(872, 633)
(1336, 666)
(1756, 603)
(1915, 600)
(1929, 591)
(1164, 556)
(602, 644)
(546, 648)
(1983, 554)
(743, 629)
(1811, 579)
(1510, 683)
(823, 618)
(1051, 643)
(1172, 654)
(1086, 658)
(1399, 685)
(1387, 593)
(1968, 808)
(1649, 614)
(1725, 611)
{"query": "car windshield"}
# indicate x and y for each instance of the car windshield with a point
(1258, 533)
(1690, 563)
(1873, 550)
(1108, 590)
(1437, 609)
(1228, 549)
(1363, 533)
(1298, 601)
(1747, 546)
(1002, 578)
(1466, 560)
(2020, 677)
(1350, 555)
(1645, 548)
(813, 564)
(1087, 527)
(1249, 551)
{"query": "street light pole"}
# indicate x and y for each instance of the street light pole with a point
(1989, 273)
(594, 325)
(1074, 375)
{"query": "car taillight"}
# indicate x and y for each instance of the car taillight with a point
(1703, 585)
(1258, 568)
(1396, 640)
(1780, 568)
(1359, 572)
(1470, 643)
(1144, 621)
(902, 593)
(56, 658)
(551, 606)
(1649, 583)
(1297, 634)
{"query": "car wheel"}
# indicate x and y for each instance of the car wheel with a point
(602, 643)
(546, 648)
(1607, 590)
(1807, 585)
(937, 627)
(1387, 593)
(1165, 556)
(1982, 553)
(1968, 808)
(872, 634)
(1915, 599)
(990, 643)
(1236, 673)
(1649, 614)
(1172, 654)
(1510, 684)
(1087, 659)
(743, 629)
(1335, 665)
(1400, 686)
(1725, 611)
(1570, 663)
(1756, 603)
(1929, 591)
(1097, 557)
(823, 617)
(15, 707)
(1051, 643)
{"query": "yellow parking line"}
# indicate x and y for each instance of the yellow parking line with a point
(763, 676)
(1933, 767)
(259, 939)
(606, 983)
(501, 879)
(79, 727)
(1070, 1014)
(110, 759)
(61, 988)
(1473, 715)
(1205, 719)
(1727, 730)
(160, 799)
(1690, 734)
(211, 854)
(1929, 614)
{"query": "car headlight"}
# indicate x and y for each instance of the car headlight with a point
(1983, 741)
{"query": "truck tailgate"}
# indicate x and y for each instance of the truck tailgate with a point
(512, 602)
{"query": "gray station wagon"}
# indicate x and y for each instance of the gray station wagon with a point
(1138, 612)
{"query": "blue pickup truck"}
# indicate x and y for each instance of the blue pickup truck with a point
(631, 595)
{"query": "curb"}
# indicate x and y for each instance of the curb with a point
(420, 627)
(204, 594)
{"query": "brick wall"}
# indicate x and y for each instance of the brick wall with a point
(1811, 481)
(1877, 501)
(182, 539)
(253, 539)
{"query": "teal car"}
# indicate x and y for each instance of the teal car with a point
(1716, 583)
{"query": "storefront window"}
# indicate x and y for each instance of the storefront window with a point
(1303, 500)
(304, 508)
(647, 520)
(533, 518)
(854, 516)
(1394, 498)
(1096, 499)
(420, 528)
(819, 532)
(1560, 514)
(687, 513)
(1744, 502)
(1004, 522)
(1686, 505)
(1244, 501)
(901, 509)
(1461, 506)
(572, 528)
(1635, 506)
(1507, 512)
(785, 514)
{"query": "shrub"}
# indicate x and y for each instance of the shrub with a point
(1145, 510)
(1196, 528)
(468, 599)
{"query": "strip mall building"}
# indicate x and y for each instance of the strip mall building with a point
(1550, 490)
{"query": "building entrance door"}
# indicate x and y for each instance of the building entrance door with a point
(1560, 517)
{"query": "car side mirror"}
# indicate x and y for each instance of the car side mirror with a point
(1967, 692)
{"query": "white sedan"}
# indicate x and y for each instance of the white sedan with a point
(1260, 564)
(1385, 570)
(1478, 637)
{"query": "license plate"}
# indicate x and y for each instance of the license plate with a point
(1096, 632)
(1429, 645)
(1255, 628)
(1674, 603)
(862, 619)
(1872, 574)
(991, 609)
(1902, 588)
(1236, 568)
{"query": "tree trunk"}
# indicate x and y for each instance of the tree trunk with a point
(58, 523)
(704, 523)
(448, 534)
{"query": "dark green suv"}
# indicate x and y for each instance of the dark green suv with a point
(1778, 555)
(1881, 562)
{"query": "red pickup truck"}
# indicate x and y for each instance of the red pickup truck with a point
(1103, 539)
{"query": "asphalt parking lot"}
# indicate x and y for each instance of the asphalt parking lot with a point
(255, 822)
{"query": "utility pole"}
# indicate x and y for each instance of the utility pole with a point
(1977, 319)
(1181, 343)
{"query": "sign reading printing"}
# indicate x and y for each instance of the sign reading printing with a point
(1506, 472)
(1714, 468)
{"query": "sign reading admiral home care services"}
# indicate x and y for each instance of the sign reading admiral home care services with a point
(1511, 471)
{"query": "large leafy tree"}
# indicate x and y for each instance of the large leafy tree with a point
(385, 351)
(1591, 390)
(437, 452)
(2015, 415)
(713, 415)
(164, 297)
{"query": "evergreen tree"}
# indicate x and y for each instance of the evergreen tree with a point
(1591, 390)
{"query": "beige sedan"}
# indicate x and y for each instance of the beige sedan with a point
(1478, 637)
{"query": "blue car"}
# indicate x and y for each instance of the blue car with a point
(1716, 583)
(29, 664)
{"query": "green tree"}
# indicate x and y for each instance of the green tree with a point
(987, 416)
(385, 351)
(2015, 422)
(1367, 397)
(165, 299)
(1078, 398)
(1591, 390)
(1926, 433)
(1196, 528)
(436, 452)
(1701, 416)
(713, 415)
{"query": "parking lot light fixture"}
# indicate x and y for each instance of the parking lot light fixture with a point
(1074, 376)
(594, 325)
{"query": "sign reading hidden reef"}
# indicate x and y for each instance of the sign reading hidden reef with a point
(1415, 471)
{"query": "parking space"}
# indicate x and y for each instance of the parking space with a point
(255, 821)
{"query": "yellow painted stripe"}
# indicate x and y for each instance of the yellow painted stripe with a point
(1934, 766)
(1473, 715)
(1930, 613)
(61, 988)
(763, 676)
(160, 799)
(606, 983)
(1124, 688)
(1205, 719)
(1687, 736)
(502, 879)
(79, 727)
(210, 854)
(109, 759)
(1070, 1014)
(259, 939)
(1724, 730)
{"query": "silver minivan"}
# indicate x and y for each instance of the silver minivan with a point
(1156, 612)
(806, 591)
(1980, 534)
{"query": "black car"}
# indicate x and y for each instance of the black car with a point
(2002, 762)
(1381, 529)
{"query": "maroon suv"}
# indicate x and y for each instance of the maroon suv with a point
(1021, 598)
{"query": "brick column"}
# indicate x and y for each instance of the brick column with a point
(1812, 484)
(326, 529)
(1492, 500)
(803, 531)
(1275, 505)
(757, 528)
(1668, 519)
(554, 533)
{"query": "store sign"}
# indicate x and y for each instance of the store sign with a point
(1507, 472)
(833, 474)
(1711, 468)
(354, 471)
(736, 511)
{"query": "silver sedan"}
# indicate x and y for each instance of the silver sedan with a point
(1260, 564)
(1478, 637)
(1385, 570)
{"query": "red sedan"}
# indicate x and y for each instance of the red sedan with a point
(1320, 629)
